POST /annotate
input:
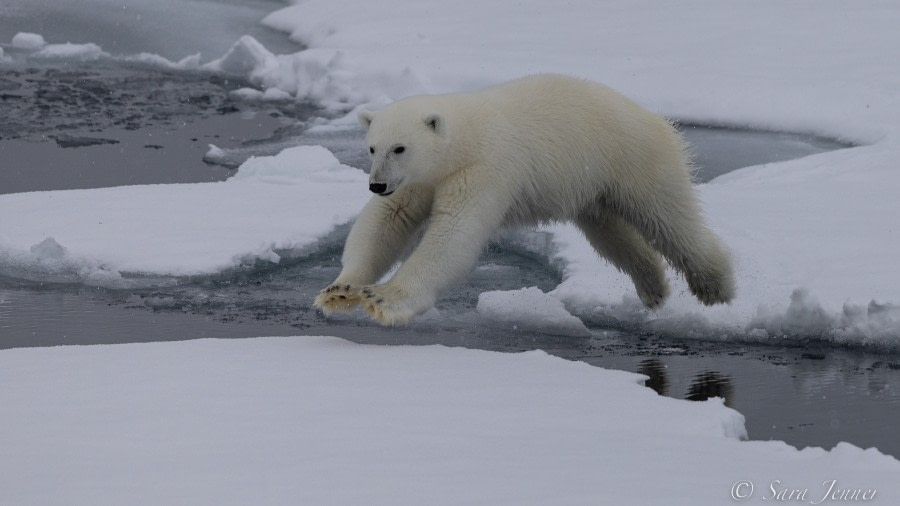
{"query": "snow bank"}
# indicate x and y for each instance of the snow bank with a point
(190, 62)
(319, 75)
(35, 46)
(319, 166)
(529, 309)
(274, 205)
(69, 51)
(29, 41)
(311, 420)
(764, 64)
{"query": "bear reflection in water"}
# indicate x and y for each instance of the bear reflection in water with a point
(706, 385)
(709, 384)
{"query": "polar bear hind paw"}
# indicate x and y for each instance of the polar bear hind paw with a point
(653, 293)
(712, 289)
(338, 297)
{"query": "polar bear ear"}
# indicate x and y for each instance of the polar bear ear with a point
(365, 118)
(435, 122)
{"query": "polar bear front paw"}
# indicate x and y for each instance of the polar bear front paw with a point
(389, 307)
(338, 297)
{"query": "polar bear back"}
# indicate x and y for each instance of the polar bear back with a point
(558, 142)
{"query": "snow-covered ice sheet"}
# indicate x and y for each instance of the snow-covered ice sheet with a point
(283, 202)
(815, 248)
(28, 40)
(69, 51)
(824, 69)
(814, 239)
(317, 420)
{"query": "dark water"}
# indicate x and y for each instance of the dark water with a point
(157, 131)
(171, 28)
(719, 150)
(108, 124)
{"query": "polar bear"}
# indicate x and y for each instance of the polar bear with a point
(539, 149)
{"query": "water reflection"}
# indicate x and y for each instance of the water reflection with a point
(710, 384)
(655, 369)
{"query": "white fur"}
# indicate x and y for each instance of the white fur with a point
(537, 149)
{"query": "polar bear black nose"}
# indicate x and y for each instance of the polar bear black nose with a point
(378, 188)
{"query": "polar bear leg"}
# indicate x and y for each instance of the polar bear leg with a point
(670, 220)
(626, 249)
(381, 233)
(465, 214)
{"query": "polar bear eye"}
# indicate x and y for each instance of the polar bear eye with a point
(399, 149)
(372, 150)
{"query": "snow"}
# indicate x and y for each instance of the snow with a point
(316, 75)
(190, 62)
(248, 93)
(69, 51)
(247, 57)
(815, 245)
(273, 206)
(814, 239)
(317, 420)
(27, 40)
(274, 94)
(320, 420)
(48, 249)
(215, 154)
(529, 309)
(765, 64)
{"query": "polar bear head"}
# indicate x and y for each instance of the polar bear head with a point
(407, 142)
